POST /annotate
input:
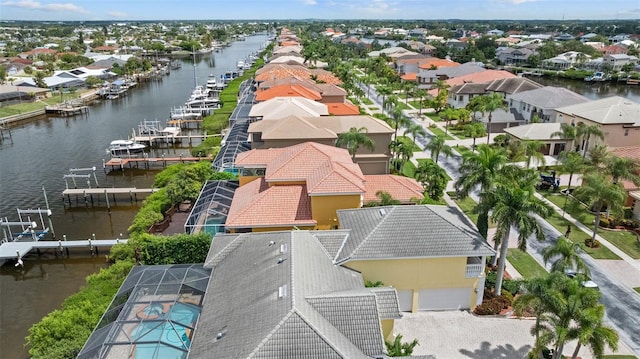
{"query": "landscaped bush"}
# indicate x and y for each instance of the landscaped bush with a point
(151, 212)
(489, 307)
(595, 244)
(62, 333)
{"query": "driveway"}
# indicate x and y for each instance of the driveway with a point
(460, 334)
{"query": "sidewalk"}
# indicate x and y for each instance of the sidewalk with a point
(625, 257)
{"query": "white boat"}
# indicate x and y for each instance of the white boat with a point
(125, 147)
(212, 82)
(240, 64)
(203, 103)
(184, 113)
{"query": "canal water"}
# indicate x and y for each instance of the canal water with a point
(44, 149)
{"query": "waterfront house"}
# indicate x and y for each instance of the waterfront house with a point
(617, 117)
(513, 56)
(430, 254)
(280, 107)
(542, 102)
(292, 130)
(460, 95)
(427, 78)
(300, 186)
(565, 60)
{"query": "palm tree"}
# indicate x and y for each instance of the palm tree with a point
(532, 149)
(567, 132)
(622, 168)
(598, 156)
(398, 121)
(353, 139)
(598, 192)
(385, 200)
(594, 333)
(585, 132)
(572, 163)
(399, 349)
(480, 169)
(567, 254)
(488, 103)
(448, 114)
(513, 207)
(384, 91)
(436, 146)
(415, 130)
(475, 130)
(432, 177)
(420, 93)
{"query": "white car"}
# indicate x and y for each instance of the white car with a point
(588, 283)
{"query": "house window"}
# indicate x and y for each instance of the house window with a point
(626, 132)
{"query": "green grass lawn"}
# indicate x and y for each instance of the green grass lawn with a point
(467, 205)
(614, 356)
(366, 101)
(435, 117)
(462, 149)
(637, 289)
(625, 240)
(36, 105)
(460, 135)
(416, 104)
(525, 264)
(408, 169)
(439, 132)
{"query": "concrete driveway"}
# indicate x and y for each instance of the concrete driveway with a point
(460, 334)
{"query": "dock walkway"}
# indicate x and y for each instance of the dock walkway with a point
(18, 249)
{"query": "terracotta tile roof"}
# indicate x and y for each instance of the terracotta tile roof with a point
(412, 76)
(292, 80)
(343, 109)
(289, 43)
(40, 51)
(258, 205)
(105, 48)
(288, 91)
(439, 63)
(481, 77)
(280, 107)
(331, 90)
(282, 71)
(399, 187)
(290, 127)
(632, 152)
(325, 169)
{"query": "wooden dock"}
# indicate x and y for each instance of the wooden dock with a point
(18, 249)
(147, 162)
(169, 138)
(87, 194)
(67, 109)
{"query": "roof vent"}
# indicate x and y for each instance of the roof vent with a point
(280, 260)
(282, 291)
(271, 243)
(283, 248)
(383, 212)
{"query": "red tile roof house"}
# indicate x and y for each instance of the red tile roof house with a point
(633, 191)
(333, 96)
(35, 53)
(303, 186)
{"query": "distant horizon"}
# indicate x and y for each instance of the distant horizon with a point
(320, 10)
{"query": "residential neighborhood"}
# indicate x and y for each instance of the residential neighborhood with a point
(367, 182)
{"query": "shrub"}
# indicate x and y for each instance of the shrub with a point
(504, 301)
(513, 286)
(505, 293)
(490, 307)
(595, 244)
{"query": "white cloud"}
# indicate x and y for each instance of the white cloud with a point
(118, 14)
(35, 5)
(378, 7)
(310, 2)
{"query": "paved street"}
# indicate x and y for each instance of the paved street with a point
(621, 301)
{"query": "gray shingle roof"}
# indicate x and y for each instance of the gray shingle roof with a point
(549, 97)
(331, 240)
(513, 85)
(469, 88)
(408, 232)
(293, 309)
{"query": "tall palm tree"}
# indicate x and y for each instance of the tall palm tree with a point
(572, 163)
(594, 333)
(384, 91)
(415, 130)
(480, 169)
(448, 114)
(567, 132)
(421, 94)
(488, 104)
(475, 130)
(598, 156)
(353, 139)
(436, 146)
(622, 168)
(532, 149)
(513, 207)
(398, 121)
(598, 192)
(565, 256)
(585, 132)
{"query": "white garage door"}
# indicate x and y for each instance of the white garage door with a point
(405, 297)
(444, 299)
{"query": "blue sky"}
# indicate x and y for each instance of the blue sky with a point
(55, 10)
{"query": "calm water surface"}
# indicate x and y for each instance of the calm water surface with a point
(42, 152)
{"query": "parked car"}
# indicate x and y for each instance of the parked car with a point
(586, 281)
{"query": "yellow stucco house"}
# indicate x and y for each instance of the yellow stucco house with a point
(430, 254)
(302, 186)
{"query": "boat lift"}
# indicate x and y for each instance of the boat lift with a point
(73, 176)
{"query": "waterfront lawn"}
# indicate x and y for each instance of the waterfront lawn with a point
(524, 263)
(637, 289)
